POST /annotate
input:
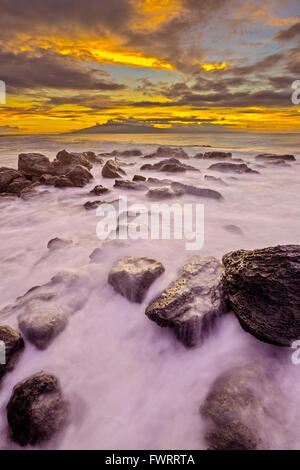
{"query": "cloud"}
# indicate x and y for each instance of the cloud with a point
(288, 34)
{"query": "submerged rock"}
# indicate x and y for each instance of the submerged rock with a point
(195, 191)
(164, 193)
(139, 178)
(172, 165)
(157, 181)
(98, 190)
(36, 410)
(263, 288)
(272, 156)
(132, 276)
(193, 302)
(111, 169)
(58, 243)
(14, 344)
(217, 155)
(232, 167)
(233, 229)
(243, 407)
(132, 185)
(214, 179)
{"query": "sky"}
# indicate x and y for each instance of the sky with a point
(183, 65)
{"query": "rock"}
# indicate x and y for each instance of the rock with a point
(195, 191)
(215, 180)
(35, 164)
(233, 229)
(199, 155)
(172, 165)
(92, 157)
(63, 182)
(132, 276)
(18, 184)
(277, 163)
(58, 243)
(232, 167)
(42, 323)
(243, 407)
(168, 152)
(139, 178)
(48, 180)
(132, 185)
(99, 189)
(122, 163)
(164, 193)
(96, 256)
(157, 181)
(123, 153)
(64, 161)
(217, 155)
(14, 345)
(272, 156)
(90, 205)
(262, 287)
(7, 176)
(193, 302)
(112, 170)
(79, 176)
(36, 410)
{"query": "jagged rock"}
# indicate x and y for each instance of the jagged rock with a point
(168, 152)
(36, 410)
(201, 192)
(217, 155)
(14, 344)
(7, 176)
(35, 164)
(126, 184)
(214, 179)
(272, 156)
(92, 157)
(58, 243)
(263, 288)
(193, 302)
(42, 323)
(99, 189)
(132, 276)
(232, 167)
(18, 184)
(233, 229)
(172, 165)
(242, 409)
(112, 170)
(139, 178)
(48, 180)
(79, 176)
(164, 193)
(64, 161)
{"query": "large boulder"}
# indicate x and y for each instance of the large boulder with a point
(14, 344)
(111, 169)
(263, 288)
(232, 168)
(195, 191)
(193, 302)
(79, 176)
(272, 156)
(7, 176)
(65, 159)
(35, 164)
(171, 165)
(36, 410)
(242, 409)
(42, 323)
(132, 276)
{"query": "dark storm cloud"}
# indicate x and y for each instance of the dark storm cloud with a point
(49, 70)
(289, 34)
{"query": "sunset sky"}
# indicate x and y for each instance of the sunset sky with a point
(181, 64)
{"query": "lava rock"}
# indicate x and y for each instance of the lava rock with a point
(111, 169)
(232, 167)
(132, 276)
(14, 345)
(262, 287)
(36, 410)
(193, 302)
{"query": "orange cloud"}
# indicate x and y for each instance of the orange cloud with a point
(209, 67)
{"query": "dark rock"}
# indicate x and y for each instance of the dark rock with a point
(195, 191)
(7, 176)
(233, 229)
(35, 164)
(48, 180)
(112, 170)
(272, 156)
(132, 276)
(92, 157)
(90, 205)
(172, 165)
(36, 410)
(14, 344)
(263, 288)
(96, 256)
(79, 176)
(139, 178)
(193, 302)
(217, 155)
(232, 167)
(168, 152)
(18, 184)
(199, 155)
(277, 163)
(65, 159)
(63, 182)
(157, 181)
(164, 193)
(99, 189)
(58, 243)
(42, 323)
(126, 184)
(214, 179)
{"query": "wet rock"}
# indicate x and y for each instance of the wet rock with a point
(42, 323)
(242, 409)
(18, 184)
(195, 191)
(233, 229)
(48, 180)
(217, 155)
(232, 168)
(92, 157)
(63, 182)
(164, 193)
(35, 164)
(7, 176)
(172, 165)
(36, 410)
(90, 205)
(112, 170)
(157, 181)
(58, 243)
(193, 302)
(99, 190)
(123, 153)
(132, 276)
(132, 185)
(64, 161)
(139, 178)
(79, 176)
(214, 179)
(199, 155)
(277, 163)
(14, 345)
(262, 287)
(272, 156)
(168, 152)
